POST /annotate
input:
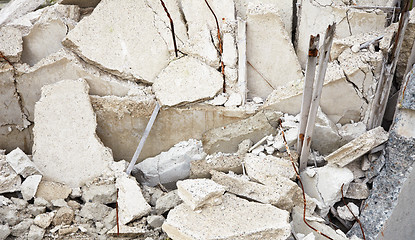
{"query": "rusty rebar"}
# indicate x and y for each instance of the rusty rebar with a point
(116, 211)
(356, 218)
(5, 58)
(171, 26)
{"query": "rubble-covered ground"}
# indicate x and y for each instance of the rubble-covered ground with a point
(79, 80)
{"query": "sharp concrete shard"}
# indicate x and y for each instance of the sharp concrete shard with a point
(230, 220)
(21, 163)
(29, 186)
(135, 33)
(66, 105)
(9, 180)
(187, 80)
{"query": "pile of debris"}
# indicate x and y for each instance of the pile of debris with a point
(80, 81)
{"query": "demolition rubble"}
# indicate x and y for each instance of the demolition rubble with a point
(203, 120)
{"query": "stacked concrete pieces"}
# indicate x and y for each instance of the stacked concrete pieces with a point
(64, 117)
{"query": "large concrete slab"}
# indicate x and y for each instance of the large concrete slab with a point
(128, 44)
(270, 54)
(235, 218)
(66, 148)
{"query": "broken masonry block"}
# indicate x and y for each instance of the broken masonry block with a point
(21, 163)
(198, 193)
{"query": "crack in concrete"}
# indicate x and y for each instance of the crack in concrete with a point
(348, 22)
(356, 88)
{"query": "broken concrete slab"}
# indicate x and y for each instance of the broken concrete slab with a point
(344, 212)
(187, 80)
(131, 202)
(10, 106)
(260, 168)
(17, 8)
(66, 105)
(227, 138)
(52, 191)
(284, 195)
(324, 184)
(219, 162)
(29, 186)
(350, 131)
(104, 193)
(21, 163)
(25, 22)
(90, 39)
(167, 202)
(231, 220)
(277, 64)
(197, 193)
(326, 138)
(9, 180)
(358, 147)
(169, 167)
(95, 211)
(11, 43)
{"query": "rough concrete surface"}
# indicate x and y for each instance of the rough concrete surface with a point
(9, 180)
(197, 193)
(16, 9)
(57, 124)
(11, 43)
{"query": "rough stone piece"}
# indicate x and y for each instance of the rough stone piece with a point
(231, 220)
(21, 163)
(200, 192)
(260, 168)
(11, 43)
(29, 186)
(18, 8)
(169, 167)
(4, 231)
(101, 193)
(326, 138)
(50, 191)
(9, 180)
(66, 105)
(131, 203)
(219, 162)
(358, 147)
(226, 139)
(155, 221)
(345, 214)
(167, 202)
(44, 220)
(19, 229)
(350, 131)
(64, 215)
(36, 233)
(357, 191)
(187, 80)
(81, 3)
(95, 211)
(11, 112)
(90, 39)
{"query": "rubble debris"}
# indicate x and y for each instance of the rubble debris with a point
(226, 139)
(284, 195)
(19, 229)
(66, 105)
(326, 138)
(95, 211)
(350, 131)
(324, 184)
(230, 220)
(219, 162)
(184, 88)
(64, 216)
(16, 9)
(29, 186)
(91, 40)
(81, 3)
(261, 168)
(100, 192)
(155, 221)
(126, 231)
(44, 220)
(197, 193)
(266, 70)
(36, 233)
(169, 167)
(11, 43)
(131, 203)
(51, 190)
(358, 147)
(9, 180)
(21, 163)
(167, 202)
(4, 231)
(345, 214)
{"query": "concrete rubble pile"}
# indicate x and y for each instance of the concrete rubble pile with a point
(80, 79)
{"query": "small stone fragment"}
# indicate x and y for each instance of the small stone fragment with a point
(357, 191)
(52, 191)
(19, 203)
(67, 230)
(219, 162)
(44, 220)
(155, 221)
(36, 233)
(345, 214)
(9, 180)
(11, 43)
(64, 215)
(259, 168)
(4, 231)
(19, 229)
(167, 202)
(101, 193)
(29, 186)
(199, 192)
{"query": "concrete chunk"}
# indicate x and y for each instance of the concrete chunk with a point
(233, 219)
(171, 166)
(358, 147)
(167, 202)
(219, 162)
(9, 180)
(17, 8)
(187, 80)
(36, 233)
(326, 138)
(29, 186)
(21, 163)
(131, 202)
(260, 168)
(11, 114)
(11, 43)
(226, 139)
(66, 105)
(197, 193)
(44, 220)
(137, 49)
(104, 193)
(276, 63)
(283, 195)
(345, 214)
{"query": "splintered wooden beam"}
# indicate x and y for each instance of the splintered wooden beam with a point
(308, 87)
(318, 87)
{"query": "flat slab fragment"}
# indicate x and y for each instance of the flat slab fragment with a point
(199, 192)
(358, 147)
(66, 148)
(128, 44)
(261, 168)
(21, 163)
(235, 218)
(187, 80)
(11, 43)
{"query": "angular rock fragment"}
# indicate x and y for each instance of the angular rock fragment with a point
(36, 233)
(4, 231)
(171, 166)
(11, 43)
(345, 213)
(137, 51)
(233, 219)
(21, 163)
(284, 195)
(66, 105)
(131, 203)
(64, 215)
(167, 202)
(358, 147)
(197, 193)
(272, 66)
(227, 138)
(262, 168)
(187, 80)
(95, 211)
(350, 131)
(219, 162)
(9, 180)
(155, 221)
(326, 138)
(44, 220)
(19, 229)
(18, 8)
(101, 193)
(29, 186)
